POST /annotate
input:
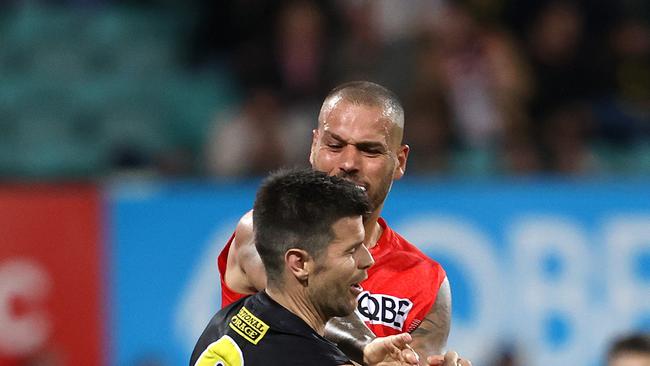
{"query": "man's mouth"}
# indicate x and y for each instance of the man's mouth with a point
(359, 185)
(356, 289)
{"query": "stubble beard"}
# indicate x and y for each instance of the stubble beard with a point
(330, 304)
(377, 198)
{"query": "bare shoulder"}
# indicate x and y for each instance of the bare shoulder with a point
(244, 231)
(245, 271)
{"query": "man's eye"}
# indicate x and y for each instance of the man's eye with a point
(334, 146)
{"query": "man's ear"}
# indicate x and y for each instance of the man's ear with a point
(314, 143)
(402, 156)
(298, 262)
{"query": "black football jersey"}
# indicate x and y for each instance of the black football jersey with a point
(258, 331)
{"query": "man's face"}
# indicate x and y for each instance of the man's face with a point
(334, 282)
(631, 359)
(359, 143)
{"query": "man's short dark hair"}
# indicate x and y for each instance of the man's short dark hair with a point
(634, 343)
(296, 209)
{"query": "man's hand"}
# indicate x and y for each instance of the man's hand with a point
(390, 351)
(450, 358)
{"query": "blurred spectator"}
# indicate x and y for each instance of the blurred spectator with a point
(566, 65)
(565, 37)
(302, 49)
(565, 137)
(380, 42)
(429, 131)
(624, 117)
(284, 44)
(495, 84)
(359, 53)
(631, 350)
(481, 73)
(519, 153)
(237, 33)
(252, 142)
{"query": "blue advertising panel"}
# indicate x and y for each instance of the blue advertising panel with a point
(552, 270)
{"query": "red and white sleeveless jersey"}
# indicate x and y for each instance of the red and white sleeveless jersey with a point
(401, 287)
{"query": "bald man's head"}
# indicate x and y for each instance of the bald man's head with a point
(367, 94)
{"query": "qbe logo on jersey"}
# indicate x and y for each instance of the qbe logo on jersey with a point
(383, 309)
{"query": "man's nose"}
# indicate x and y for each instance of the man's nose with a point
(365, 260)
(349, 159)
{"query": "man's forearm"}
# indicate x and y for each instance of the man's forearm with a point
(350, 334)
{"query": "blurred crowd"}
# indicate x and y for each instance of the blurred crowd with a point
(490, 88)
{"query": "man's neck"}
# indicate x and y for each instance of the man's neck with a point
(297, 303)
(372, 228)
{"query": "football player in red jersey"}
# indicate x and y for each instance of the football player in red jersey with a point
(359, 138)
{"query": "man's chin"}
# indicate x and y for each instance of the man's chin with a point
(345, 311)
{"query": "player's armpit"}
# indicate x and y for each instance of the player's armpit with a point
(430, 338)
(350, 334)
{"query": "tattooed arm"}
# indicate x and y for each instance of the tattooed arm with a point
(430, 338)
